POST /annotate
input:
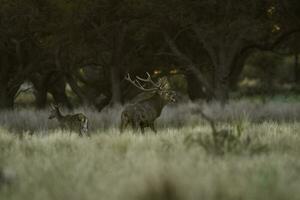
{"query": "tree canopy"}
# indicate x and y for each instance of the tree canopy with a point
(91, 45)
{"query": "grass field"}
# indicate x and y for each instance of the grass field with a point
(38, 161)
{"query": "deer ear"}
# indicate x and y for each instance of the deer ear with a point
(52, 106)
(56, 105)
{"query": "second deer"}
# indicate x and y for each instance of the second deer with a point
(77, 122)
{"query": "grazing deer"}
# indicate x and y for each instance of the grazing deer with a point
(143, 113)
(77, 122)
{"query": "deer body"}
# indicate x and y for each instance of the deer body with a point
(144, 113)
(77, 122)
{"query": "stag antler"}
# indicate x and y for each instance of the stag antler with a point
(149, 80)
(55, 106)
(138, 85)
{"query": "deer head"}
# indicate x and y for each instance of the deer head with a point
(54, 111)
(158, 88)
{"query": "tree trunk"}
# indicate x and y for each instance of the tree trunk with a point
(77, 90)
(191, 67)
(222, 72)
(40, 90)
(8, 92)
(116, 62)
(237, 69)
(297, 69)
(12, 75)
(40, 98)
(115, 85)
(223, 64)
(61, 98)
(195, 88)
(6, 100)
(221, 88)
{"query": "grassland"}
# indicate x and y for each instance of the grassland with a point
(38, 161)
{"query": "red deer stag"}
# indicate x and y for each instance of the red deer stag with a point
(143, 113)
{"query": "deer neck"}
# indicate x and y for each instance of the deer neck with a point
(158, 103)
(59, 116)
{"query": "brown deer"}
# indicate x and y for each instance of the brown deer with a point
(143, 113)
(77, 122)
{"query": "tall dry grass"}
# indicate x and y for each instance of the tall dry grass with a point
(53, 164)
(132, 166)
(180, 115)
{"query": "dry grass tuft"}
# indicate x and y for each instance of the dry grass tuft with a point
(47, 163)
(173, 116)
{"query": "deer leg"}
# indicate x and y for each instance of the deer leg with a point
(85, 128)
(152, 127)
(84, 132)
(80, 132)
(142, 128)
(122, 127)
(135, 126)
(143, 125)
(87, 134)
(125, 121)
